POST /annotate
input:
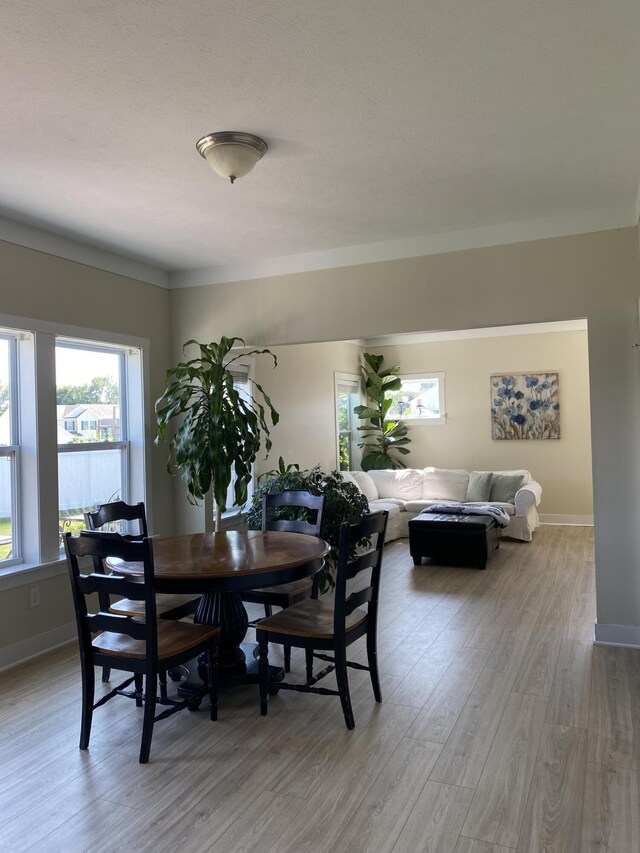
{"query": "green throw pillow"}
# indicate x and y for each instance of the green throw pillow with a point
(479, 488)
(504, 487)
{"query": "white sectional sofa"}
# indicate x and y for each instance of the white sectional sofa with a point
(406, 492)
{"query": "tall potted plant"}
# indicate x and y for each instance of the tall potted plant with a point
(216, 431)
(383, 438)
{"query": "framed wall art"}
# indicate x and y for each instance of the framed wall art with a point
(525, 406)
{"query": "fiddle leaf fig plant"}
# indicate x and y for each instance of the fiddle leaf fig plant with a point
(382, 438)
(214, 430)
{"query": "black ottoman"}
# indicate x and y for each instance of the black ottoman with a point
(465, 539)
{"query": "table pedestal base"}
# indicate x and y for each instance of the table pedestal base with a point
(237, 662)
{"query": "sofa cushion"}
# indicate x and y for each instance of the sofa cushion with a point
(418, 506)
(365, 484)
(448, 484)
(391, 507)
(504, 487)
(479, 488)
(403, 483)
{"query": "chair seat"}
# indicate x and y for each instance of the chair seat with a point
(284, 589)
(309, 618)
(173, 639)
(164, 604)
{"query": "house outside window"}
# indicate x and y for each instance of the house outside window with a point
(347, 397)
(420, 399)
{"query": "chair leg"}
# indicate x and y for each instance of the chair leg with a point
(268, 610)
(137, 682)
(149, 714)
(162, 678)
(88, 688)
(263, 673)
(309, 657)
(372, 660)
(287, 658)
(212, 673)
(343, 686)
(106, 674)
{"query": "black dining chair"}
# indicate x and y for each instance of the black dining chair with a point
(333, 625)
(111, 516)
(146, 647)
(304, 506)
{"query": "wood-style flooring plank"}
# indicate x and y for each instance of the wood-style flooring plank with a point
(500, 799)
(611, 813)
(472, 845)
(614, 722)
(553, 817)
(332, 803)
(571, 687)
(445, 704)
(435, 821)
(539, 665)
(377, 822)
(465, 752)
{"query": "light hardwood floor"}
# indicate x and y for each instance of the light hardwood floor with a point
(502, 728)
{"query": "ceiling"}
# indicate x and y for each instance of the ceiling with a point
(388, 122)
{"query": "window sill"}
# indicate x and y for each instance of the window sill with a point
(22, 574)
(423, 421)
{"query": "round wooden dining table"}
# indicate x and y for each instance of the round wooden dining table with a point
(218, 566)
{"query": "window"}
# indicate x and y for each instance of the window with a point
(92, 466)
(420, 399)
(9, 539)
(51, 470)
(347, 391)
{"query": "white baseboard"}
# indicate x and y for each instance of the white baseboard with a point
(23, 651)
(580, 520)
(618, 635)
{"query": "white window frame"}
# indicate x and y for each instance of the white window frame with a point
(427, 421)
(354, 380)
(36, 462)
(12, 450)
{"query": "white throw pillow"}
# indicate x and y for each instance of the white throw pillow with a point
(403, 483)
(448, 484)
(365, 484)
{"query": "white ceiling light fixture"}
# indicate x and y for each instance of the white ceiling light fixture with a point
(231, 154)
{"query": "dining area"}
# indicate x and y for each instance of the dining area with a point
(171, 609)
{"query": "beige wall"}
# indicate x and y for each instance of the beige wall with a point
(42, 287)
(596, 276)
(302, 391)
(563, 467)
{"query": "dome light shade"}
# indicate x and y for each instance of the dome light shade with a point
(231, 154)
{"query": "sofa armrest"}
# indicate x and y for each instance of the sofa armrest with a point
(530, 494)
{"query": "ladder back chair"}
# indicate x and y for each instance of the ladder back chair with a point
(111, 516)
(287, 594)
(333, 625)
(146, 647)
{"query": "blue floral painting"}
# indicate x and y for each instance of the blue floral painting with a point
(525, 406)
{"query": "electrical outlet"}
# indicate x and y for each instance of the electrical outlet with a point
(34, 596)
